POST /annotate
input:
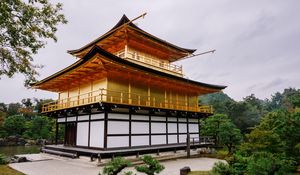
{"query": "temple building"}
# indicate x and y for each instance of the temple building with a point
(125, 92)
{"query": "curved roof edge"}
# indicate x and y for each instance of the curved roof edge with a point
(121, 22)
(97, 50)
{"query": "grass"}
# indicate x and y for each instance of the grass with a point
(198, 173)
(6, 170)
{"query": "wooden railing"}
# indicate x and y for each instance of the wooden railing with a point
(148, 60)
(116, 97)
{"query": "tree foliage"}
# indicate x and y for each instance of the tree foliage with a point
(221, 127)
(24, 119)
(14, 125)
(38, 128)
(151, 167)
(2, 159)
(262, 163)
(24, 26)
(221, 168)
(115, 166)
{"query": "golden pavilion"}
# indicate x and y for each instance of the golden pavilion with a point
(126, 92)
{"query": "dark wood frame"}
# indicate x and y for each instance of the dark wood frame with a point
(106, 110)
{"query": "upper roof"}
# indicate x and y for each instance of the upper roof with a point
(97, 50)
(125, 22)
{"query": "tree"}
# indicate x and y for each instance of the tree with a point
(244, 115)
(40, 127)
(23, 28)
(115, 166)
(267, 163)
(221, 127)
(230, 135)
(221, 168)
(14, 125)
(211, 126)
(151, 167)
(13, 109)
(221, 102)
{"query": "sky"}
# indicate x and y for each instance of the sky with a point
(257, 42)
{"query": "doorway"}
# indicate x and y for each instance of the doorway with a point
(70, 134)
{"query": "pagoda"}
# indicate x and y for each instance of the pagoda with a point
(125, 92)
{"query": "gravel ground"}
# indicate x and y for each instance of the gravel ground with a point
(66, 166)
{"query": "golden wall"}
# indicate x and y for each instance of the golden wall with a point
(118, 90)
(134, 92)
(83, 94)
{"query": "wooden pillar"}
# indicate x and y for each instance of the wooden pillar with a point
(105, 128)
(188, 145)
(130, 128)
(65, 141)
(89, 131)
(56, 132)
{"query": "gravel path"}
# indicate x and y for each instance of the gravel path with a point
(66, 166)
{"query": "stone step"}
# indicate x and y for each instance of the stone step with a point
(60, 153)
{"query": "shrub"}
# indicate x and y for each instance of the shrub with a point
(2, 159)
(221, 168)
(115, 166)
(268, 163)
(222, 154)
(151, 167)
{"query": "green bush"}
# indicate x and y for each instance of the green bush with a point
(221, 168)
(2, 159)
(221, 154)
(268, 163)
(115, 166)
(14, 125)
(151, 167)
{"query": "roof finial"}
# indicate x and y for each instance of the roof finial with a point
(141, 16)
(193, 55)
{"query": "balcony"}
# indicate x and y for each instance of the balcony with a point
(116, 97)
(150, 61)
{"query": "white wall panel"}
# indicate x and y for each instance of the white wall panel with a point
(83, 117)
(61, 120)
(139, 117)
(182, 119)
(139, 140)
(193, 128)
(118, 116)
(158, 118)
(71, 119)
(182, 138)
(139, 127)
(97, 134)
(194, 135)
(120, 141)
(158, 127)
(158, 139)
(182, 128)
(172, 127)
(193, 120)
(172, 139)
(82, 133)
(173, 119)
(97, 116)
(118, 127)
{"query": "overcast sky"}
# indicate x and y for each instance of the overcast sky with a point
(257, 41)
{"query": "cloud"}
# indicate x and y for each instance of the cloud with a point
(256, 41)
(273, 84)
